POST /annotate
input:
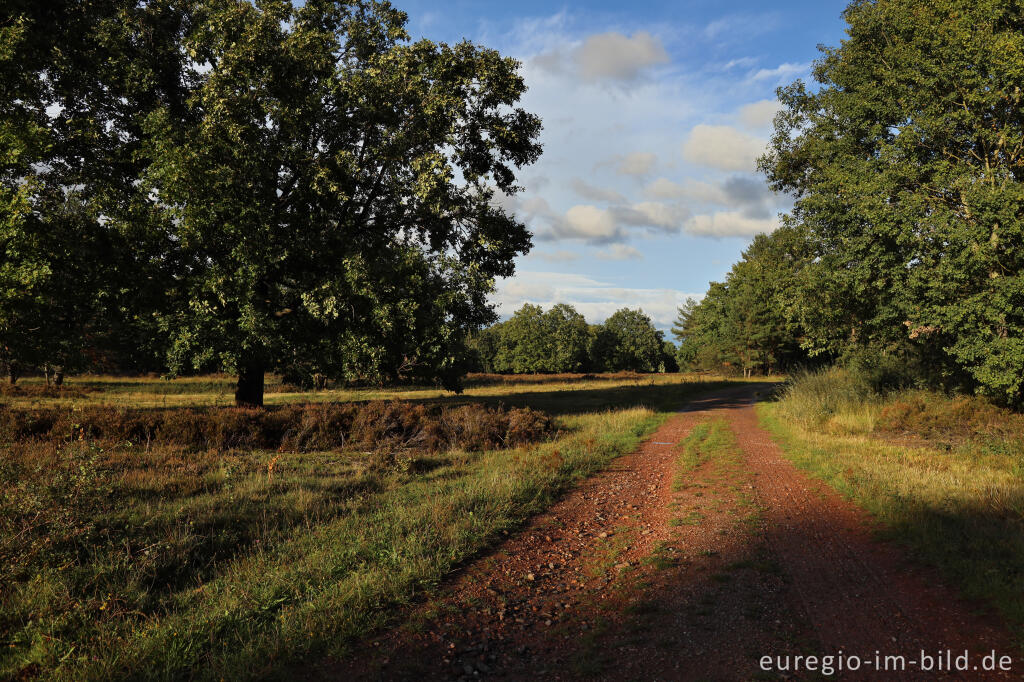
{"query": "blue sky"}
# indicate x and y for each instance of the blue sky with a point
(653, 115)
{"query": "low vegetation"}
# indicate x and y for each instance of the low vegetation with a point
(943, 475)
(375, 426)
(708, 439)
(225, 548)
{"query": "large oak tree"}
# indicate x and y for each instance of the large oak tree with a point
(327, 192)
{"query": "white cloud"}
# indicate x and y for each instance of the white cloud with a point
(595, 225)
(759, 114)
(590, 223)
(596, 300)
(743, 62)
(730, 224)
(782, 73)
(594, 193)
(613, 55)
(561, 256)
(663, 188)
(722, 147)
(745, 193)
(636, 163)
(619, 252)
(666, 217)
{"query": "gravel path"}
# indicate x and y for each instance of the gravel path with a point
(627, 578)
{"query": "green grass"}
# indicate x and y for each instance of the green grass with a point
(958, 504)
(706, 441)
(158, 563)
(591, 391)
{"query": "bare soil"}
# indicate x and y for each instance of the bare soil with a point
(628, 579)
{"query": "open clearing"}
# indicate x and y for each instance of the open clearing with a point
(690, 558)
(167, 543)
(610, 537)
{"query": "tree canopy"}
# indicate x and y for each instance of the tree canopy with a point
(298, 188)
(748, 322)
(906, 163)
(628, 341)
(561, 341)
(536, 341)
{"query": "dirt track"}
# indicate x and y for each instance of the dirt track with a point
(628, 579)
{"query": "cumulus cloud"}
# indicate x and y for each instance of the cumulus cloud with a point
(589, 223)
(730, 224)
(593, 193)
(665, 217)
(610, 56)
(637, 163)
(759, 114)
(619, 252)
(663, 188)
(722, 147)
(595, 299)
(596, 225)
(749, 195)
(613, 55)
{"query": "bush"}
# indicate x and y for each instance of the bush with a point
(929, 415)
(379, 425)
(884, 374)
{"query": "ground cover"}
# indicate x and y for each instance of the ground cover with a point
(162, 559)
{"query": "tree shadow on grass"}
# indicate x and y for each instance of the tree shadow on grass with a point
(660, 397)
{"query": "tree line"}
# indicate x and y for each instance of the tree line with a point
(198, 185)
(905, 246)
(561, 341)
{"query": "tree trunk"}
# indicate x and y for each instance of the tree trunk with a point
(12, 374)
(249, 392)
(58, 377)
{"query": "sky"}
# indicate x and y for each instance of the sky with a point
(654, 114)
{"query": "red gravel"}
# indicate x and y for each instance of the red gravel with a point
(626, 578)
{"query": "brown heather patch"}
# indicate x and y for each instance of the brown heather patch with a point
(380, 425)
(932, 416)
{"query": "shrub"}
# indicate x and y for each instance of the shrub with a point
(375, 426)
(930, 415)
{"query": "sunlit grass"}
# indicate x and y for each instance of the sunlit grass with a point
(707, 440)
(138, 561)
(959, 506)
(218, 390)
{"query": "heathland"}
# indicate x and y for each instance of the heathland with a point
(148, 531)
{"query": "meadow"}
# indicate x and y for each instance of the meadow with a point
(144, 533)
(943, 475)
